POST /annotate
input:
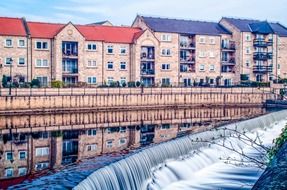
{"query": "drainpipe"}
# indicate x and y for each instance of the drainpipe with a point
(103, 62)
(31, 45)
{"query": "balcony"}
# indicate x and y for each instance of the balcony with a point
(70, 49)
(260, 42)
(228, 46)
(186, 45)
(186, 68)
(147, 72)
(70, 71)
(147, 54)
(262, 69)
(228, 61)
(187, 59)
(227, 69)
(262, 56)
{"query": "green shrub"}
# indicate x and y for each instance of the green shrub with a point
(138, 84)
(35, 83)
(278, 143)
(114, 84)
(57, 84)
(124, 84)
(131, 84)
(4, 81)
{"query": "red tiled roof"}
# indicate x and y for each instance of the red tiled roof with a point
(114, 34)
(12, 27)
(44, 30)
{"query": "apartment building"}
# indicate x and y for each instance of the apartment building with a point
(261, 48)
(190, 52)
(154, 51)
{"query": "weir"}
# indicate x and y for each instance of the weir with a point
(138, 171)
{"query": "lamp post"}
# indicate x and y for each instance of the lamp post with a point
(11, 78)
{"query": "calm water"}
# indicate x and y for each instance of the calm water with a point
(61, 150)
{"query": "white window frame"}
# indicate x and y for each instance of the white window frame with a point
(92, 147)
(20, 171)
(166, 52)
(247, 63)
(42, 63)
(125, 49)
(123, 63)
(212, 67)
(42, 42)
(211, 54)
(110, 47)
(43, 165)
(202, 40)
(112, 63)
(123, 80)
(5, 43)
(93, 63)
(166, 38)
(212, 40)
(6, 61)
(20, 45)
(165, 66)
(6, 155)
(202, 54)
(92, 45)
(247, 37)
(201, 67)
(92, 79)
(248, 50)
(20, 154)
(42, 151)
(125, 141)
(21, 58)
(109, 143)
(110, 80)
(6, 172)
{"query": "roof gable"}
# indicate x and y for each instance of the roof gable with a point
(12, 27)
(44, 30)
(184, 26)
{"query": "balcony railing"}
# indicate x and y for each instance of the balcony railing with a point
(262, 69)
(262, 56)
(70, 71)
(260, 42)
(147, 72)
(145, 56)
(228, 46)
(230, 61)
(187, 69)
(186, 45)
(70, 53)
(187, 59)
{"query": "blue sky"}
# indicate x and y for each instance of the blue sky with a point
(122, 12)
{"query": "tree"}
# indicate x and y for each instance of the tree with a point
(4, 81)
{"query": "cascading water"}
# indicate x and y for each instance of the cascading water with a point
(189, 162)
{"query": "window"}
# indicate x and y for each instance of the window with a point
(9, 172)
(92, 80)
(201, 67)
(165, 81)
(43, 151)
(211, 67)
(41, 166)
(109, 144)
(110, 49)
(21, 61)
(248, 50)
(43, 80)
(165, 52)
(92, 147)
(21, 43)
(92, 132)
(165, 126)
(43, 135)
(122, 141)
(201, 54)
(110, 80)
(211, 54)
(8, 43)
(42, 63)
(110, 65)
(123, 65)
(9, 155)
(92, 47)
(123, 50)
(202, 40)
(279, 66)
(42, 45)
(22, 155)
(8, 61)
(22, 171)
(211, 81)
(165, 66)
(212, 40)
(166, 37)
(248, 37)
(123, 80)
(92, 63)
(123, 129)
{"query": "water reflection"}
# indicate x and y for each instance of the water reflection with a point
(30, 144)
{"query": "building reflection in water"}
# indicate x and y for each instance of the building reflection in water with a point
(32, 143)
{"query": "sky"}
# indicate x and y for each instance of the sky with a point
(123, 12)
